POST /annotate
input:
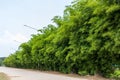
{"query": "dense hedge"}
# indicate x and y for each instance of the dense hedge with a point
(85, 40)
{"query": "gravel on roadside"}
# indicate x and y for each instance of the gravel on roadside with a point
(4, 77)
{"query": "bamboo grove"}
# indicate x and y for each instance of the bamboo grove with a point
(85, 40)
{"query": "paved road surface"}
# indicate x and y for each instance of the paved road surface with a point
(22, 74)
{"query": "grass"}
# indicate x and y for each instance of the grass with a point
(4, 76)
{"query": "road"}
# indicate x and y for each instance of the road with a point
(22, 74)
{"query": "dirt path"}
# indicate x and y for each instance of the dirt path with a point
(22, 74)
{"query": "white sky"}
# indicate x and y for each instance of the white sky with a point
(16, 13)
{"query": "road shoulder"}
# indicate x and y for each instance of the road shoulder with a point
(3, 76)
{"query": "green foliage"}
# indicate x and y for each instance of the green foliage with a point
(116, 75)
(83, 73)
(86, 40)
(1, 60)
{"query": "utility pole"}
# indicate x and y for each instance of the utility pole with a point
(17, 41)
(31, 27)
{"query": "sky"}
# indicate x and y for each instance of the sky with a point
(14, 14)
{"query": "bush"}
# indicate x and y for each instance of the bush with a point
(116, 75)
(82, 73)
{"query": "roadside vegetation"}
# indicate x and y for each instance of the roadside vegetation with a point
(1, 60)
(85, 41)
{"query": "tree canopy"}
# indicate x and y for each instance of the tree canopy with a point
(85, 40)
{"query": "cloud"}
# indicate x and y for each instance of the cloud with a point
(8, 38)
(8, 44)
(20, 38)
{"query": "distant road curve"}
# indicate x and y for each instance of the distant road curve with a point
(22, 74)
